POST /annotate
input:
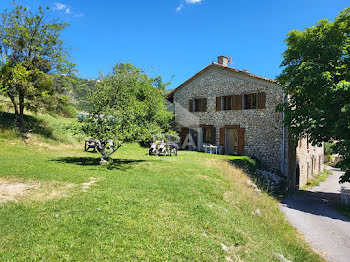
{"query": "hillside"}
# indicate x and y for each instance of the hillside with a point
(193, 207)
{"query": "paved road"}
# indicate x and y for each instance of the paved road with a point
(310, 212)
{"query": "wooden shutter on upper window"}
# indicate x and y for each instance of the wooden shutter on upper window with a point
(237, 102)
(262, 100)
(234, 102)
(204, 105)
(212, 135)
(222, 139)
(241, 141)
(190, 105)
(218, 103)
(232, 98)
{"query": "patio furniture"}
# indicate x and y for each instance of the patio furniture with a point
(163, 148)
(212, 149)
(91, 143)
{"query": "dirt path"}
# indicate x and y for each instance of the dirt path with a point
(312, 214)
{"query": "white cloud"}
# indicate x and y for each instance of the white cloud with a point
(179, 7)
(193, 1)
(59, 6)
(187, 2)
(79, 15)
(67, 10)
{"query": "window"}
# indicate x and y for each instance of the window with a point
(227, 102)
(233, 102)
(206, 135)
(250, 101)
(198, 105)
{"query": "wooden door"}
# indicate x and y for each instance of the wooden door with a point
(231, 143)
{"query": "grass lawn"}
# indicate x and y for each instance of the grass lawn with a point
(193, 207)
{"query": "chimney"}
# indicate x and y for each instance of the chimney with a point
(223, 60)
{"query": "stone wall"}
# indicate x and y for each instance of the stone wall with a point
(309, 160)
(263, 127)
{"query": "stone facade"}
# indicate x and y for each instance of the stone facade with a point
(309, 160)
(262, 137)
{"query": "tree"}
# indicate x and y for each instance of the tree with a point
(125, 106)
(316, 77)
(31, 52)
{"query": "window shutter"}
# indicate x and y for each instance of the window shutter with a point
(204, 105)
(237, 102)
(183, 134)
(241, 141)
(218, 103)
(213, 135)
(194, 135)
(234, 102)
(190, 105)
(222, 139)
(262, 100)
(232, 98)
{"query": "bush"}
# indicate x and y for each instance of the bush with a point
(328, 148)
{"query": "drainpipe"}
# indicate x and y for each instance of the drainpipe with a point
(283, 139)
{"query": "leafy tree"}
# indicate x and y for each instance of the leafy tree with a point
(316, 77)
(125, 106)
(73, 89)
(31, 52)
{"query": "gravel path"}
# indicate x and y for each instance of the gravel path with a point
(310, 212)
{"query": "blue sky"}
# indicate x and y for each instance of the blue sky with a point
(177, 38)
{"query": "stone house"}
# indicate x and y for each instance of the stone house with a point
(235, 110)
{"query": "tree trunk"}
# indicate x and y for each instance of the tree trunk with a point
(20, 120)
(104, 155)
(13, 100)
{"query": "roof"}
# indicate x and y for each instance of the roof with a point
(214, 64)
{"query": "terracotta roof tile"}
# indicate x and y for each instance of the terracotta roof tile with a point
(222, 67)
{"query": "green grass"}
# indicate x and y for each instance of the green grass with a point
(48, 129)
(317, 179)
(141, 208)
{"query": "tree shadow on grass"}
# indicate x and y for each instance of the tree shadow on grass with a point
(246, 164)
(117, 164)
(250, 166)
(33, 124)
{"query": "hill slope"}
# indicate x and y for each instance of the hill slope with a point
(193, 207)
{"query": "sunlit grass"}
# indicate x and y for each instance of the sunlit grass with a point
(190, 207)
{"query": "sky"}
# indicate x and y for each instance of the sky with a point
(178, 38)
